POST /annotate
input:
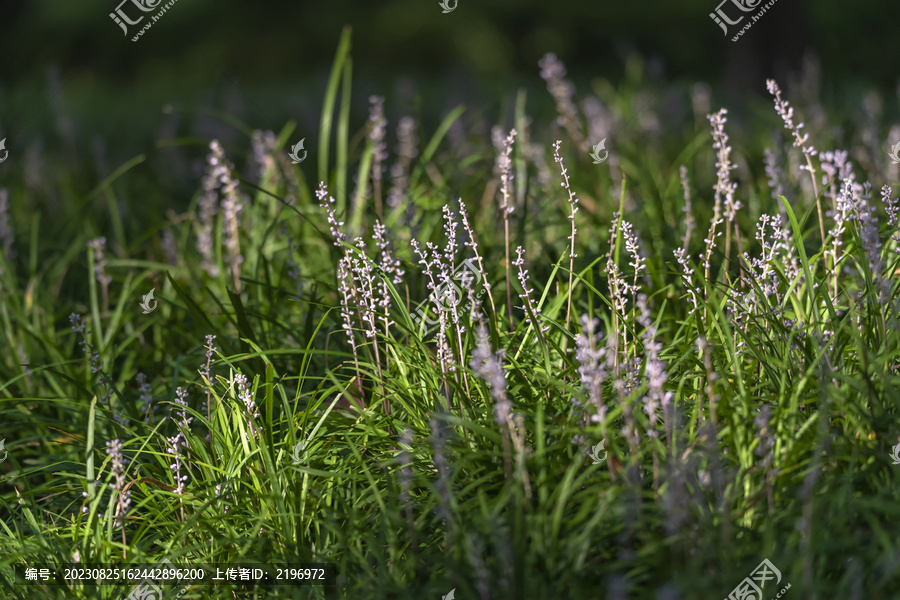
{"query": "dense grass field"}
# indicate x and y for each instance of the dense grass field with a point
(471, 362)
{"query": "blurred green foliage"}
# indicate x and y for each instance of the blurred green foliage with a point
(70, 80)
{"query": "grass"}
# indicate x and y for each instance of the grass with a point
(427, 443)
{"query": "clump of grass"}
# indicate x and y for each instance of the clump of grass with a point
(744, 418)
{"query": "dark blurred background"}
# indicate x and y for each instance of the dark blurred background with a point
(70, 76)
